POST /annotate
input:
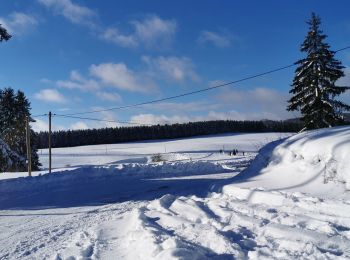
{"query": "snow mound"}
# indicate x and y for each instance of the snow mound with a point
(314, 162)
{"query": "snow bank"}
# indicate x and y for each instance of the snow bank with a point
(150, 170)
(96, 173)
(314, 162)
(101, 184)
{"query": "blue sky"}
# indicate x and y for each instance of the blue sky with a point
(72, 56)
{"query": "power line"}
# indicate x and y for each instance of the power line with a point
(40, 115)
(342, 49)
(182, 95)
(101, 120)
(192, 92)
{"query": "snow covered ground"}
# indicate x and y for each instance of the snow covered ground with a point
(113, 202)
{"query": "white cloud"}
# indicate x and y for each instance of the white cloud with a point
(113, 35)
(40, 126)
(73, 12)
(181, 108)
(151, 119)
(77, 81)
(172, 68)
(43, 126)
(270, 103)
(108, 96)
(19, 23)
(154, 30)
(151, 32)
(214, 83)
(119, 76)
(239, 115)
(50, 95)
(221, 40)
(79, 126)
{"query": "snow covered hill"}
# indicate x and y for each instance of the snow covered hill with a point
(291, 202)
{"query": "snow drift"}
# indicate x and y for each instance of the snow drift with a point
(103, 184)
(314, 162)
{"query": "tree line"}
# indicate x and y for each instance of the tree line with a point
(70, 138)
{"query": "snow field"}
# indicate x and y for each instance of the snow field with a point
(292, 202)
(137, 152)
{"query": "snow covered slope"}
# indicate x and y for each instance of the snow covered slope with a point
(315, 162)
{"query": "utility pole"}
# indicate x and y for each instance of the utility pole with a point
(29, 150)
(50, 161)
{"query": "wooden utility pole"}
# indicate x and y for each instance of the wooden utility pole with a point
(50, 161)
(29, 150)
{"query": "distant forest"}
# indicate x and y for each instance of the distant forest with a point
(71, 138)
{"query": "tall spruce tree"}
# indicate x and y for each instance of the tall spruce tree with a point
(314, 86)
(14, 108)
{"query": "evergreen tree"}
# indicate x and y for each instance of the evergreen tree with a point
(9, 160)
(314, 86)
(4, 35)
(7, 116)
(22, 110)
(14, 108)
